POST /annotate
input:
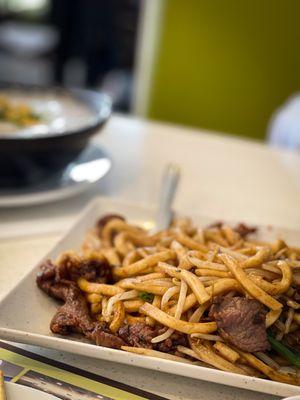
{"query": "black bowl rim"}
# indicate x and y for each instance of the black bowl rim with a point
(101, 115)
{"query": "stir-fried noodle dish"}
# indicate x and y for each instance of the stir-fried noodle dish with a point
(209, 296)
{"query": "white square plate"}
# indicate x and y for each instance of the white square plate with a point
(25, 313)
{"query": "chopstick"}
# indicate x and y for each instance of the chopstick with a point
(2, 387)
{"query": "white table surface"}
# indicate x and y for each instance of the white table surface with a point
(222, 177)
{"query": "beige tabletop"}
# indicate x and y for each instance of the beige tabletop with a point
(222, 177)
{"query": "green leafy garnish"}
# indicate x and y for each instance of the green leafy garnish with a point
(290, 354)
(146, 296)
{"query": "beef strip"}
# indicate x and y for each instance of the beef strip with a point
(293, 339)
(241, 228)
(244, 229)
(170, 345)
(73, 316)
(241, 322)
(46, 276)
(297, 293)
(105, 219)
(102, 336)
(140, 335)
(54, 286)
(60, 290)
(217, 224)
(49, 274)
(91, 270)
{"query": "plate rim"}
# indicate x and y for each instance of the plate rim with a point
(88, 349)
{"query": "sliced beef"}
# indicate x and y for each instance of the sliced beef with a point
(140, 335)
(170, 345)
(102, 336)
(241, 322)
(241, 228)
(73, 270)
(46, 276)
(51, 275)
(61, 290)
(244, 229)
(105, 219)
(217, 224)
(73, 316)
(297, 293)
(90, 269)
(293, 339)
(48, 281)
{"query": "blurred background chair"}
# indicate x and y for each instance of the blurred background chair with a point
(224, 65)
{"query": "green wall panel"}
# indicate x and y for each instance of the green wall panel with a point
(226, 65)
